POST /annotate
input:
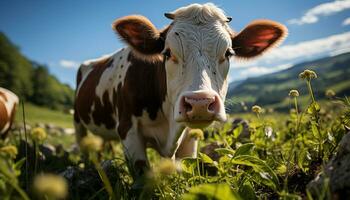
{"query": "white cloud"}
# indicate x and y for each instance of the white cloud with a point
(239, 64)
(277, 58)
(346, 22)
(69, 64)
(260, 70)
(312, 15)
(299, 51)
(309, 48)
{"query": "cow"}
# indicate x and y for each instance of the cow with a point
(8, 104)
(165, 82)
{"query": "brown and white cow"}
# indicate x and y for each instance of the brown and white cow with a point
(8, 103)
(165, 82)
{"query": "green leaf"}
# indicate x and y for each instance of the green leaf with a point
(313, 108)
(19, 163)
(247, 191)
(315, 131)
(237, 131)
(259, 166)
(245, 149)
(225, 151)
(205, 158)
(188, 165)
(211, 191)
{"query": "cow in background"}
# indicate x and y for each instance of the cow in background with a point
(8, 103)
(151, 93)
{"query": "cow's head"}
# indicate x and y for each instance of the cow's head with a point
(196, 48)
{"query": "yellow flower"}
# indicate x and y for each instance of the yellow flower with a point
(38, 134)
(10, 150)
(196, 133)
(91, 143)
(166, 167)
(294, 93)
(293, 111)
(330, 93)
(256, 109)
(308, 74)
(50, 186)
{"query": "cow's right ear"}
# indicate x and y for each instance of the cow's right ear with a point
(140, 34)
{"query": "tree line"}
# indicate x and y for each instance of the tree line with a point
(31, 81)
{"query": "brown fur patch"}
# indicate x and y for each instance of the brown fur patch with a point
(258, 37)
(144, 88)
(139, 33)
(12, 119)
(86, 96)
(78, 80)
(79, 77)
(104, 112)
(4, 117)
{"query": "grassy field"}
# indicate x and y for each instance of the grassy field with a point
(35, 114)
(278, 157)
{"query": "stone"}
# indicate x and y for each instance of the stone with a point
(336, 173)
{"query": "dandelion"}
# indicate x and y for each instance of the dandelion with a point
(282, 169)
(91, 143)
(330, 93)
(10, 150)
(166, 167)
(50, 186)
(294, 93)
(38, 134)
(256, 109)
(308, 74)
(196, 133)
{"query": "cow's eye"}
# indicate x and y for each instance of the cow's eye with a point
(229, 52)
(167, 53)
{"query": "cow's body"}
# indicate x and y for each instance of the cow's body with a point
(151, 92)
(117, 90)
(8, 103)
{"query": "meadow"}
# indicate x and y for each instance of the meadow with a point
(274, 157)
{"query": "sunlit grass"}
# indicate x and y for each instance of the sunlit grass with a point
(280, 154)
(35, 114)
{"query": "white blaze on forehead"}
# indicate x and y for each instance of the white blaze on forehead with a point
(197, 13)
(199, 37)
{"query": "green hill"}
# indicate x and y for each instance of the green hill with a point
(272, 90)
(31, 81)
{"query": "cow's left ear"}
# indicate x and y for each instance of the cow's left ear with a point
(140, 34)
(258, 37)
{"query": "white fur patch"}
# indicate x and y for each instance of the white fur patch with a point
(12, 100)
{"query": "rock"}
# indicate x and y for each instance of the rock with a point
(50, 126)
(244, 136)
(48, 160)
(40, 125)
(209, 150)
(337, 172)
(86, 182)
(68, 131)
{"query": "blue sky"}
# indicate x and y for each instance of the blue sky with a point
(61, 34)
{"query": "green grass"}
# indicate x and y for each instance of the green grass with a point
(341, 86)
(280, 155)
(35, 114)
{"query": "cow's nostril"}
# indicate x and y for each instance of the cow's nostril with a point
(211, 107)
(187, 106)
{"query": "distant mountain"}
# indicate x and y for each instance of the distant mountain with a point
(31, 81)
(271, 90)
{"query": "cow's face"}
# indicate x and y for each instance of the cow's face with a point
(196, 48)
